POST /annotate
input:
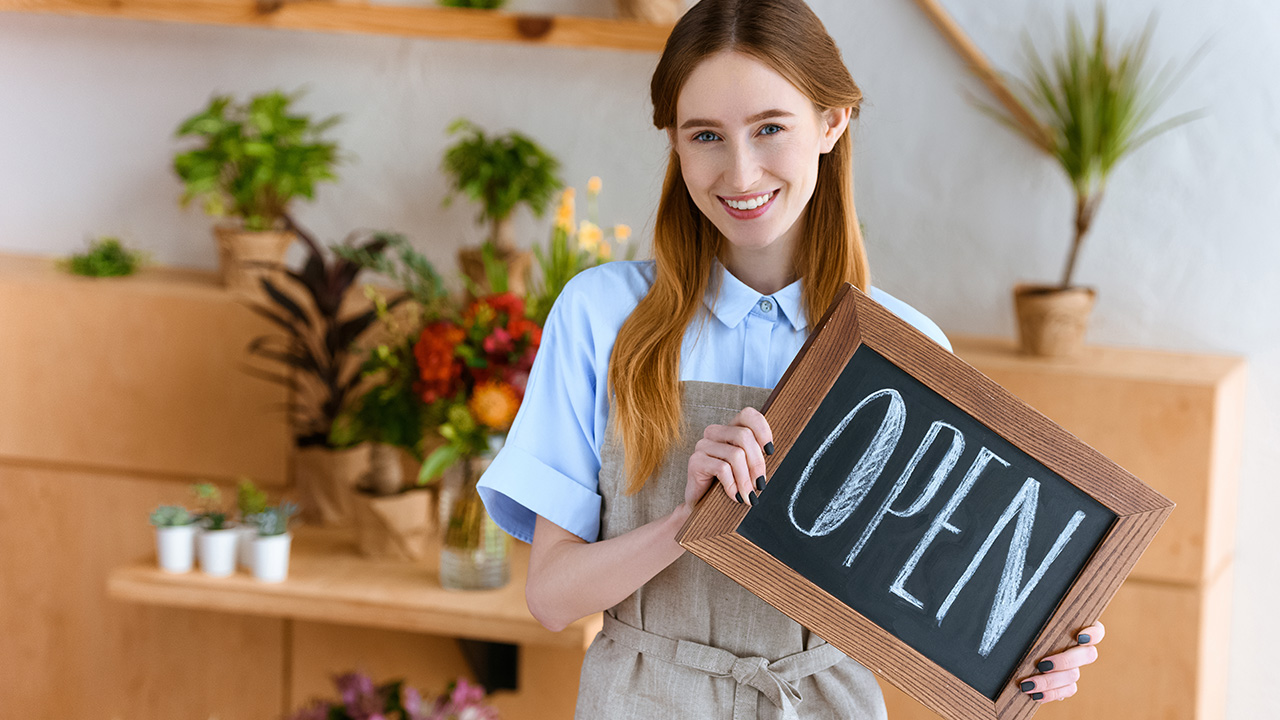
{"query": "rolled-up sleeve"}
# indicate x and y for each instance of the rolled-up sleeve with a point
(549, 465)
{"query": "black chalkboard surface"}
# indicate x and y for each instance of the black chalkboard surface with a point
(925, 521)
(914, 512)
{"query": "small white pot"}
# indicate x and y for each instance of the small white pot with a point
(271, 557)
(218, 551)
(247, 532)
(175, 547)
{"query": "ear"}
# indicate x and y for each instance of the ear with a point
(834, 122)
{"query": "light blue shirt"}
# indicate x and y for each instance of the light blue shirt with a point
(551, 460)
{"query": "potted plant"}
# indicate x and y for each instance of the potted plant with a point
(665, 12)
(312, 356)
(175, 538)
(1092, 105)
(253, 159)
(250, 501)
(391, 518)
(501, 173)
(218, 534)
(271, 546)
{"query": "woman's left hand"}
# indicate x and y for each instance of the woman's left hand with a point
(1059, 673)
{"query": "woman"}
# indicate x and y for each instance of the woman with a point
(645, 389)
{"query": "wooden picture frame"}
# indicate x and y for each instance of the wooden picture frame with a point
(855, 321)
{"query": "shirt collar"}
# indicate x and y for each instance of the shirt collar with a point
(730, 299)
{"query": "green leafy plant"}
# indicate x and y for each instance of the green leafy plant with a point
(106, 257)
(500, 173)
(212, 515)
(254, 158)
(1093, 104)
(275, 520)
(315, 347)
(250, 500)
(478, 4)
(171, 516)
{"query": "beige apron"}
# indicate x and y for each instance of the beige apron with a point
(691, 643)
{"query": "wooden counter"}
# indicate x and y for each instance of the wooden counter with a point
(330, 582)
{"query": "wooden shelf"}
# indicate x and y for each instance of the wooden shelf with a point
(427, 20)
(330, 582)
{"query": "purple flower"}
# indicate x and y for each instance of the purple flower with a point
(360, 697)
(466, 694)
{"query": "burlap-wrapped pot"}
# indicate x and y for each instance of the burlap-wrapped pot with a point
(655, 11)
(325, 480)
(239, 251)
(1051, 320)
(393, 526)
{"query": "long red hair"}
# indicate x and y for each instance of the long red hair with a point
(644, 370)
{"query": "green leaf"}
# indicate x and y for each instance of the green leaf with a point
(437, 462)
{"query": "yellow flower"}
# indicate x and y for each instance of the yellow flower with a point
(564, 215)
(593, 186)
(589, 236)
(622, 232)
(494, 404)
(605, 252)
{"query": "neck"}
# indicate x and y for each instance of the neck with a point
(765, 270)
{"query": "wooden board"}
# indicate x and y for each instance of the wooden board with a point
(852, 325)
(71, 652)
(330, 582)
(139, 374)
(426, 21)
(1173, 419)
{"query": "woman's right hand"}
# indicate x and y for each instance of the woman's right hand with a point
(731, 455)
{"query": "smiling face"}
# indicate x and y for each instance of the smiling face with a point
(749, 143)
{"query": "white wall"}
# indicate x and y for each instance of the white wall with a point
(957, 209)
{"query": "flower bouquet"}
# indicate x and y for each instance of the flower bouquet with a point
(362, 700)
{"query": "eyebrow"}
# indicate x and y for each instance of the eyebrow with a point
(767, 114)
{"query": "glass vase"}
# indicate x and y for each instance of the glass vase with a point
(474, 554)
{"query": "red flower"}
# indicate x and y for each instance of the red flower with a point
(438, 368)
(499, 343)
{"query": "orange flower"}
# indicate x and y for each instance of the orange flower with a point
(438, 369)
(494, 404)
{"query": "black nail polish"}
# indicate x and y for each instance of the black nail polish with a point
(752, 496)
(1083, 638)
(1027, 685)
(1045, 666)
(760, 486)
(1037, 696)
(739, 496)
(768, 448)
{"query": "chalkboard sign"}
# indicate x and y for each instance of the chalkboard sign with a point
(925, 521)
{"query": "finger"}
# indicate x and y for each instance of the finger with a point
(705, 470)
(1061, 693)
(737, 446)
(1091, 635)
(734, 471)
(1050, 681)
(754, 419)
(1069, 658)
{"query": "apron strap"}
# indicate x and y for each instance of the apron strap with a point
(754, 675)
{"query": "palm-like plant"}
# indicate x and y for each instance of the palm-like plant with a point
(1092, 105)
(315, 348)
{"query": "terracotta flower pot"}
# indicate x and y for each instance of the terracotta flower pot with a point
(654, 11)
(238, 250)
(1052, 321)
(325, 479)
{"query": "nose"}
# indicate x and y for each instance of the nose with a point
(743, 170)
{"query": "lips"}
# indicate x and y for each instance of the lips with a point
(746, 207)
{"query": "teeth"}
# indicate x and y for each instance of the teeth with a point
(751, 204)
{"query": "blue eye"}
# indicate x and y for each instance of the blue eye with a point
(770, 129)
(706, 136)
